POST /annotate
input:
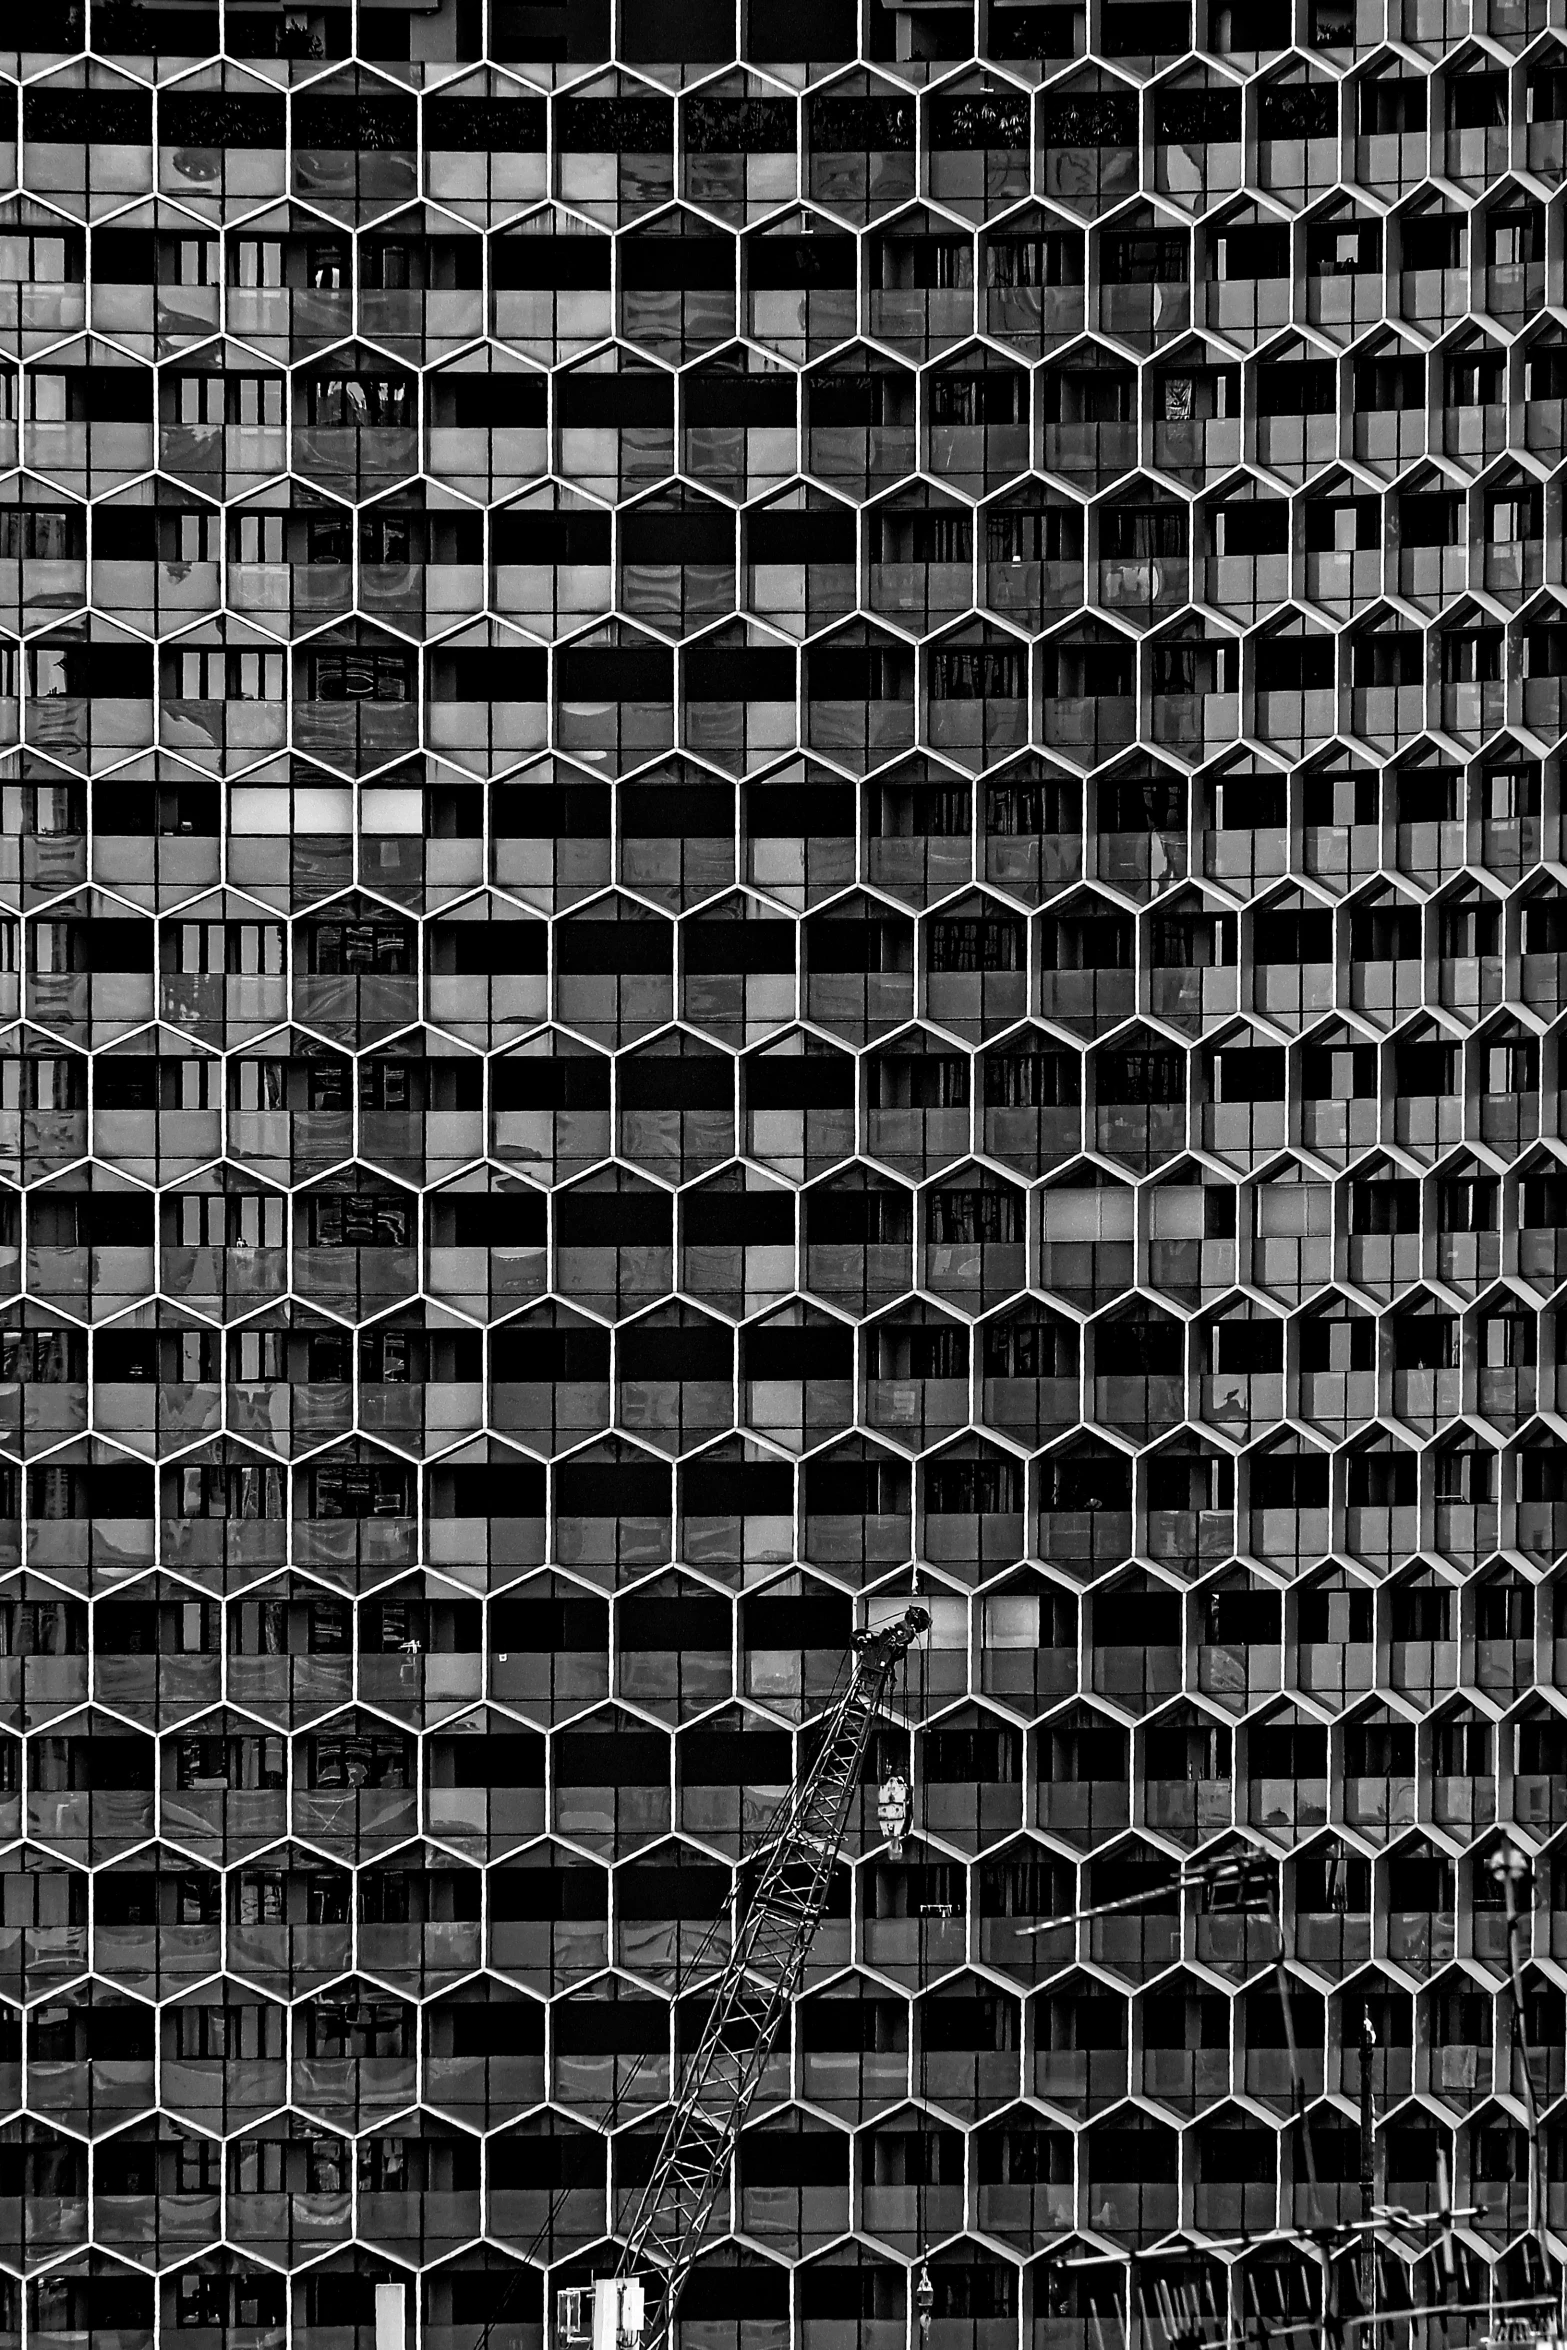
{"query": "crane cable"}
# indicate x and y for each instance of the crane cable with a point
(686, 1968)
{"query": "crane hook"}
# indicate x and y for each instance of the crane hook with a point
(924, 2299)
(894, 1809)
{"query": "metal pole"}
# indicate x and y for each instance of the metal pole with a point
(1368, 2183)
(1297, 2080)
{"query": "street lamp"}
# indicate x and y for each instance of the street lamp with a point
(1511, 1872)
(1368, 2174)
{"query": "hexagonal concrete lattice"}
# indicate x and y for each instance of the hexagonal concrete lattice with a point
(785, 784)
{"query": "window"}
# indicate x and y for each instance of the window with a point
(40, 534)
(34, 260)
(1474, 380)
(359, 1758)
(354, 1220)
(260, 538)
(387, 267)
(367, 1490)
(360, 400)
(350, 947)
(191, 261)
(198, 399)
(1513, 239)
(253, 399)
(257, 262)
(362, 676)
(211, 674)
(979, 673)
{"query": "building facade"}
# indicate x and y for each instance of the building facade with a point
(1040, 524)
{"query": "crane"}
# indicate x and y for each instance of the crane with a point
(783, 1897)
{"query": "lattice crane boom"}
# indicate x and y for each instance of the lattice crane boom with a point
(789, 1876)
